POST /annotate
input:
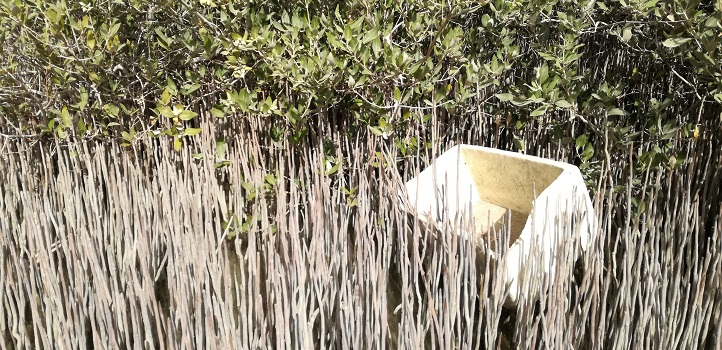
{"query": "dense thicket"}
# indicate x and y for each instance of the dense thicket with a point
(646, 71)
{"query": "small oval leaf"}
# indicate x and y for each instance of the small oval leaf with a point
(563, 104)
(539, 111)
(192, 131)
(674, 42)
(504, 97)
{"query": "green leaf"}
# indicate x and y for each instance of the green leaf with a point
(82, 128)
(83, 101)
(674, 42)
(616, 111)
(539, 111)
(563, 104)
(270, 179)
(90, 40)
(189, 89)
(543, 73)
(358, 23)
(370, 35)
(165, 41)
(520, 101)
(248, 186)
(518, 143)
(581, 141)
(165, 96)
(486, 20)
(296, 21)
(547, 56)
(217, 113)
(113, 30)
(112, 110)
(376, 45)
(626, 34)
(177, 143)
(165, 111)
(221, 164)
(65, 117)
(711, 22)
(333, 169)
(439, 95)
(504, 97)
(187, 115)
(192, 131)
(170, 85)
(588, 152)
